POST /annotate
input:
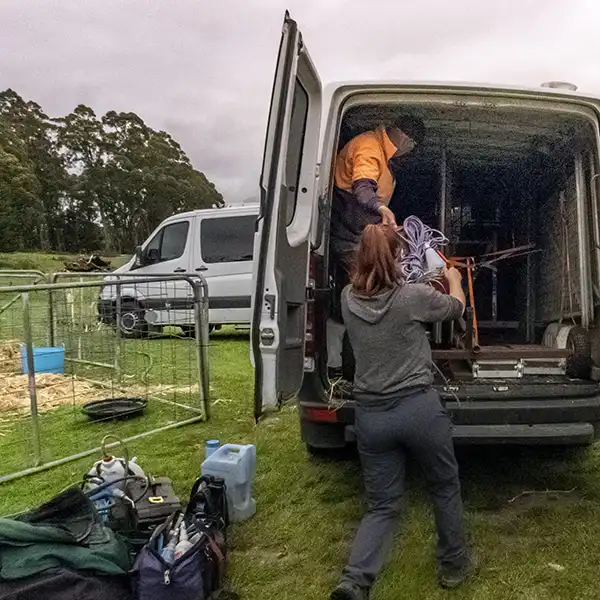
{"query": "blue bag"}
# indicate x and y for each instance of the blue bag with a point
(196, 575)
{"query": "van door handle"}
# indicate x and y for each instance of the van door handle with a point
(202, 268)
(179, 270)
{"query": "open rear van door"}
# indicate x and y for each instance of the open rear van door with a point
(282, 247)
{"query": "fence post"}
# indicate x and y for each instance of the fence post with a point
(118, 331)
(31, 380)
(202, 325)
(51, 328)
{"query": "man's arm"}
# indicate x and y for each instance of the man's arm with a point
(365, 191)
(366, 170)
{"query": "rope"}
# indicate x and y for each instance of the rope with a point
(418, 238)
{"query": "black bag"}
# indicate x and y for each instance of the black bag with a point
(208, 500)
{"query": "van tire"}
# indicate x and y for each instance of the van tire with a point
(131, 321)
(328, 453)
(579, 364)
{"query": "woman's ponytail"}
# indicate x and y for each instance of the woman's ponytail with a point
(376, 261)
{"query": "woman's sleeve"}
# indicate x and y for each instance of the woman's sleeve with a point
(431, 306)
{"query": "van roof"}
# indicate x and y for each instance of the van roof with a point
(333, 87)
(226, 211)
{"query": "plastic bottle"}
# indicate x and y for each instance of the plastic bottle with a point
(211, 447)
(434, 261)
(111, 468)
(168, 554)
(184, 544)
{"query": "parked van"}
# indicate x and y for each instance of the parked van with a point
(500, 168)
(218, 243)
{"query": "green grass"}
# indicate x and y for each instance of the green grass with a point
(307, 509)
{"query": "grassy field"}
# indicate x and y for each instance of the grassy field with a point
(535, 546)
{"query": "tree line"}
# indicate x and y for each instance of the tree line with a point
(89, 183)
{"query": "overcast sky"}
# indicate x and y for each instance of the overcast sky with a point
(203, 70)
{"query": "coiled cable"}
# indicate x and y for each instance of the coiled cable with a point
(418, 237)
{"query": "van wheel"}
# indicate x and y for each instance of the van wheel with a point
(131, 321)
(345, 453)
(579, 363)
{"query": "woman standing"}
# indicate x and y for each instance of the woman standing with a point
(397, 410)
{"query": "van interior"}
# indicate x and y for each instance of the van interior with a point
(492, 180)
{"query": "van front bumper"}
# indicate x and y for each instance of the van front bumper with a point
(106, 311)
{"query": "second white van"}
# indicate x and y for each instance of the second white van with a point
(217, 243)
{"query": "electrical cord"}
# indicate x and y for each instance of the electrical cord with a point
(95, 491)
(455, 396)
(418, 238)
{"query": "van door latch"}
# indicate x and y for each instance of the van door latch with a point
(270, 300)
(315, 293)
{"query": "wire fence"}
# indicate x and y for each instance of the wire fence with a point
(81, 356)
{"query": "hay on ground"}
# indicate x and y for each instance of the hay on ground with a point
(52, 391)
(10, 356)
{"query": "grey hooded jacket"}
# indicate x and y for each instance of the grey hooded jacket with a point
(388, 336)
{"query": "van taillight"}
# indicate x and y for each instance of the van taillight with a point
(321, 414)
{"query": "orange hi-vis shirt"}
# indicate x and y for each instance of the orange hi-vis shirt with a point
(366, 157)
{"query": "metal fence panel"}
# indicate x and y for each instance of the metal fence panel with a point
(132, 339)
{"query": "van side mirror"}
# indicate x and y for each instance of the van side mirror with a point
(152, 256)
(138, 257)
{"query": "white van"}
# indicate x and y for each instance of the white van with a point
(500, 167)
(218, 243)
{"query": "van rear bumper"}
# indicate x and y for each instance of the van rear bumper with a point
(550, 434)
(554, 421)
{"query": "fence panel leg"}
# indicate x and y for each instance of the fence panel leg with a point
(202, 339)
(31, 380)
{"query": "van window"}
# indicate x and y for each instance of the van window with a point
(295, 148)
(228, 239)
(169, 242)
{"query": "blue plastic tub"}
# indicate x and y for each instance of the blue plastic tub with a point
(45, 360)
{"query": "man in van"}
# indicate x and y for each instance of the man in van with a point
(364, 184)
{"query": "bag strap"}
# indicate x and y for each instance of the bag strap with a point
(220, 556)
(220, 594)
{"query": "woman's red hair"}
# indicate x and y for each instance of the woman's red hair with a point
(376, 261)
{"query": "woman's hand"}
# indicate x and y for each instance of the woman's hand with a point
(452, 275)
(454, 278)
(387, 216)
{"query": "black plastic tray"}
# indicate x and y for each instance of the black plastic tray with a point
(114, 408)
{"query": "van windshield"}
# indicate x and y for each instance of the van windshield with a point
(227, 239)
